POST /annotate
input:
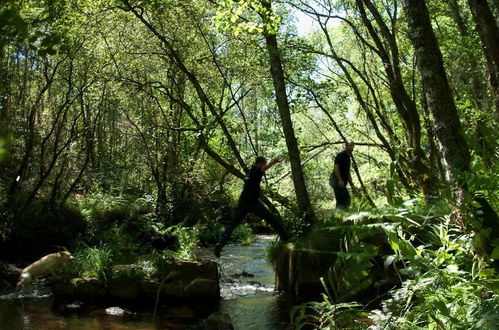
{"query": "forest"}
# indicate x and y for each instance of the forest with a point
(125, 122)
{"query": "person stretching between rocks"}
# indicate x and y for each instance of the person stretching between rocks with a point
(341, 176)
(249, 203)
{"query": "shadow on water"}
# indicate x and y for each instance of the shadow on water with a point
(248, 298)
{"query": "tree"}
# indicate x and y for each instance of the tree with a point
(448, 129)
(277, 73)
(488, 31)
(438, 94)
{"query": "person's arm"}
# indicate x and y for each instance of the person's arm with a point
(271, 163)
(337, 172)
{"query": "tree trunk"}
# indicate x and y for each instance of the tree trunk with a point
(489, 35)
(457, 17)
(405, 105)
(277, 73)
(437, 91)
(442, 107)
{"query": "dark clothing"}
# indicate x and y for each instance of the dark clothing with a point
(258, 209)
(341, 194)
(343, 160)
(251, 190)
(249, 203)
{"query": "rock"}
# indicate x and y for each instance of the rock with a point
(308, 284)
(202, 287)
(180, 312)
(190, 270)
(74, 306)
(299, 273)
(306, 261)
(175, 289)
(191, 279)
(113, 313)
(242, 274)
(124, 283)
(185, 280)
(85, 289)
(5, 286)
(9, 274)
(125, 290)
(118, 311)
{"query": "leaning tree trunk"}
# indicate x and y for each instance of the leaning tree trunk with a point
(488, 30)
(277, 73)
(436, 88)
(437, 91)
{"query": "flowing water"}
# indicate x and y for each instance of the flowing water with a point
(247, 287)
(248, 299)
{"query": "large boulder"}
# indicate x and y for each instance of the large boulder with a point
(191, 280)
(299, 273)
(185, 280)
(125, 282)
(202, 287)
(81, 289)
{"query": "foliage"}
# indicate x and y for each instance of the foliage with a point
(243, 234)
(129, 274)
(442, 279)
(447, 283)
(91, 262)
(3, 150)
(187, 240)
(114, 221)
(210, 235)
(327, 315)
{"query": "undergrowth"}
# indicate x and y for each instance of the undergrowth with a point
(441, 279)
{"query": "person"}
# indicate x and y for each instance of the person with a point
(249, 203)
(340, 176)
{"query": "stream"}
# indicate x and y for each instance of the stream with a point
(248, 300)
(247, 287)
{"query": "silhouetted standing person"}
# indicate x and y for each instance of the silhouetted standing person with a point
(341, 176)
(249, 203)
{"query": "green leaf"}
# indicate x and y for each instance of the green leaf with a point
(442, 307)
(495, 254)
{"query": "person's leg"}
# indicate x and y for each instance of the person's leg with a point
(342, 196)
(348, 199)
(337, 196)
(261, 211)
(236, 220)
